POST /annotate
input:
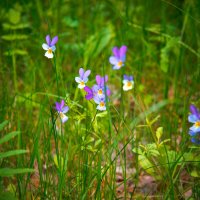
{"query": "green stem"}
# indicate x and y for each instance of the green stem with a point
(14, 72)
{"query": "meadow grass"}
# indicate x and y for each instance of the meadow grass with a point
(139, 148)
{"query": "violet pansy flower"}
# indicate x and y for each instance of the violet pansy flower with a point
(61, 109)
(99, 88)
(50, 46)
(128, 82)
(194, 118)
(119, 57)
(83, 78)
(101, 102)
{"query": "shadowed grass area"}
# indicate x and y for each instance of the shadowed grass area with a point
(139, 148)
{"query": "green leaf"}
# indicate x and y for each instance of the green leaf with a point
(14, 37)
(7, 26)
(9, 136)
(3, 124)
(14, 16)
(12, 153)
(5, 172)
(159, 133)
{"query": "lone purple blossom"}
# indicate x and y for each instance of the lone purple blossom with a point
(119, 57)
(83, 78)
(128, 83)
(61, 109)
(50, 46)
(194, 118)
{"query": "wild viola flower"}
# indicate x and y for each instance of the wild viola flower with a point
(128, 83)
(50, 46)
(101, 102)
(89, 94)
(194, 118)
(83, 78)
(100, 88)
(119, 57)
(61, 109)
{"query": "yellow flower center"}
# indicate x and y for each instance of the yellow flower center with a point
(49, 51)
(120, 63)
(82, 83)
(129, 84)
(102, 104)
(100, 91)
(197, 124)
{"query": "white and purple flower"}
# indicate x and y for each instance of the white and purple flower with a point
(100, 88)
(83, 78)
(194, 118)
(101, 102)
(119, 57)
(61, 109)
(128, 83)
(50, 46)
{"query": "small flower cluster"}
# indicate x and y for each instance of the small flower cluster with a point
(194, 118)
(98, 91)
(117, 60)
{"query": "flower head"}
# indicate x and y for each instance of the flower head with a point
(100, 88)
(50, 46)
(101, 102)
(119, 57)
(83, 78)
(128, 83)
(61, 109)
(194, 118)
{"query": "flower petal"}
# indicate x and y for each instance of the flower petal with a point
(65, 109)
(122, 52)
(62, 103)
(101, 107)
(194, 110)
(45, 46)
(192, 118)
(195, 129)
(53, 48)
(48, 55)
(81, 73)
(64, 118)
(191, 133)
(113, 60)
(58, 107)
(86, 74)
(54, 41)
(126, 77)
(115, 51)
(98, 79)
(195, 140)
(48, 40)
(78, 79)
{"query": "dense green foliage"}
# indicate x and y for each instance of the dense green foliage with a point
(99, 155)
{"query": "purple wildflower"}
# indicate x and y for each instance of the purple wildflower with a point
(83, 78)
(50, 46)
(119, 57)
(89, 94)
(128, 83)
(61, 109)
(100, 88)
(194, 118)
